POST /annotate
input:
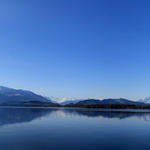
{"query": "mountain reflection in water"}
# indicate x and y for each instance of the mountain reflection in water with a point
(23, 115)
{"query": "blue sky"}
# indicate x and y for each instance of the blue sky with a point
(76, 48)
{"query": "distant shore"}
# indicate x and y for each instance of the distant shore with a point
(82, 109)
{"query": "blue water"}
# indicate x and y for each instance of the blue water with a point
(73, 129)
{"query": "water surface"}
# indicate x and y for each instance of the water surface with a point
(73, 129)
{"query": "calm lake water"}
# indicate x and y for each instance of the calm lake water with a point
(73, 129)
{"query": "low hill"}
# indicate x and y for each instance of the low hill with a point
(109, 103)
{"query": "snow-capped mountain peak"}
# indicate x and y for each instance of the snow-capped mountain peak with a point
(145, 100)
(63, 99)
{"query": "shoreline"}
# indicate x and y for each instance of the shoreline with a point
(83, 109)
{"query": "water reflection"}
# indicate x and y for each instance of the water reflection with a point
(109, 114)
(58, 128)
(22, 115)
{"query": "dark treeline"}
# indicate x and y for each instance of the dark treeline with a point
(105, 106)
(110, 106)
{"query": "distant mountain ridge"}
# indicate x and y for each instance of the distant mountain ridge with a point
(10, 96)
(145, 100)
(70, 102)
(18, 97)
(120, 101)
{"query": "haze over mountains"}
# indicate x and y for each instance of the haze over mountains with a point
(9, 96)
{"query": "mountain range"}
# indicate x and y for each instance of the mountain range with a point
(18, 97)
(120, 101)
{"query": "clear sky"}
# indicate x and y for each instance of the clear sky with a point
(76, 48)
